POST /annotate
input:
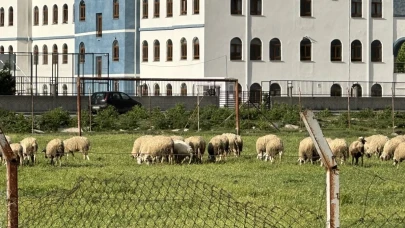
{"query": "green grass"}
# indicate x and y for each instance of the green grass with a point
(191, 195)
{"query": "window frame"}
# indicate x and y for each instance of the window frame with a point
(145, 9)
(1, 50)
(169, 89)
(169, 8)
(275, 47)
(196, 49)
(65, 14)
(236, 7)
(116, 51)
(55, 56)
(145, 51)
(99, 66)
(10, 16)
(336, 51)
(99, 24)
(234, 47)
(82, 11)
(357, 8)
(156, 51)
(256, 53)
(356, 51)
(65, 55)
(45, 15)
(45, 55)
(183, 7)
(304, 5)
(183, 49)
(376, 51)
(35, 55)
(376, 8)
(36, 16)
(1, 17)
(156, 8)
(196, 6)
(156, 89)
(256, 7)
(169, 51)
(305, 50)
(55, 14)
(82, 53)
(183, 89)
(116, 9)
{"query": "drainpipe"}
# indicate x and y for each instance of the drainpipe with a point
(368, 44)
(247, 43)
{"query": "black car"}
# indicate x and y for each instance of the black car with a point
(119, 100)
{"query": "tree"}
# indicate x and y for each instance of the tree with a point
(401, 59)
(7, 81)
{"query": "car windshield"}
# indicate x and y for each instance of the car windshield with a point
(97, 97)
(125, 97)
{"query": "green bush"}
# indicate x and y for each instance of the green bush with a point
(13, 122)
(106, 119)
(132, 119)
(54, 119)
(324, 113)
(177, 117)
(85, 120)
(158, 119)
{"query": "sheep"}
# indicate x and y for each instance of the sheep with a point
(54, 150)
(137, 145)
(75, 144)
(18, 152)
(261, 143)
(216, 147)
(198, 145)
(177, 137)
(8, 139)
(375, 145)
(273, 147)
(339, 149)
(239, 143)
(307, 151)
(389, 147)
(399, 154)
(30, 148)
(182, 151)
(225, 141)
(156, 148)
(356, 150)
(233, 145)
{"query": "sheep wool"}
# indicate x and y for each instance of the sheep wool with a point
(274, 147)
(155, 149)
(356, 150)
(307, 151)
(182, 151)
(177, 137)
(239, 142)
(233, 145)
(30, 148)
(55, 150)
(77, 144)
(375, 145)
(198, 145)
(137, 145)
(216, 147)
(399, 154)
(390, 146)
(261, 143)
(339, 149)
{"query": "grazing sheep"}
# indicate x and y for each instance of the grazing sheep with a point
(273, 147)
(182, 152)
(356, 150)
(261, 143)
(77, 144)
(375, 145)
(216, 147)
(54, 150)
(233, 145)
(239, 143)
(18, 152)
(137, 145)
(30, 148)
(177, 137)
(339, 149)
(307, 151)
(399, 154)
(198, 145)
(156, 149)
(225, 140)
(8, 139)
(390, 146)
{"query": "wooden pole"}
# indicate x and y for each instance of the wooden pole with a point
(79, 115)
(393, 111)
(237, 108)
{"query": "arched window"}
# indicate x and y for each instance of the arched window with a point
(10, 16)
(55, 14)
(44, 55)
(336, 51)
(356, 51)
(64, 90)
(144, 51)
(116, 50)
(65, 54)
(65, 14)
(376, 90)
(336, 90)
(169, 91)
(82, 16)
(183, 89)
(55, 54)
(196, 49)
(116, 9)
(356, 90)
(376, 8)
(169, 51)
(357, 8)
(35, 60)
(255, 93)
(36, 15)
(169, 8)
(145, 9)
(10, 49)
(1, 50)
(157, 90)
(275, 90)
(305, 50)
(256, 7)
(236, 7)
(183, 45)
(1, 17)
(156, 10)
(183, 7)
(376, 53)
(156, 50)
(196, 6)
(145, 90)
(275, 49)
(256, 49)
(44, 90)
(306, 8)
(82, 51)
(236, 49)
(45, 15)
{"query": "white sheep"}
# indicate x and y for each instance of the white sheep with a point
(182, 151)
(198, 145)
(225, 141)
(375, 145)
(232, 143)
(156, 149)
(137, 145)
(177, 137)
(30, 148)
(356, 150)
(307, 151)
(399, 154)
(17, 151)
(390, 146)
(54, 150)
(274, 147)
(261, 144)
(215, 148)
(339, 149)
(77, 144)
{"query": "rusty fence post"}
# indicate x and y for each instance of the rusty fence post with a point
(12, 182)
(332, 172)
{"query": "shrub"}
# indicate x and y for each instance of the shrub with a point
(177, 117)
(158, 119)
(324, 113)
(106, 119)
(131, 120)
(54, 119)
(13, 122)
(85, 120)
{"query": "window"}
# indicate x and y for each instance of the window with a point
(156, 11)
(65, 54)
(356, 51)
(82, 16)
(183, 89)
(183, 45)
(336, 90)
(10, 16)
(116, 51)
(196, 8)
(145, 91)
(169, 90)
(35, 60)
(306, 8)
(305, 50)
(1, 16)
(116, 9)
(45, 15)
(357, 8)
(99, 66)
(169, 52)
(236, 49)
(275, 49)
(256, 7)
(36, 15)
(82, 51)
(236, 7)
(64, 90)
(44, 55)
(55, 14)
(376, 55)
(99, 24)
(169, 8)
(145, 51)
(336, 51)
(156, 51)
(196, 49)
(44, 90)
(65, 14)
(10, 49)
(275, 90)
(255, 94)
(356, 90)
(376, 8)
(55, 54)
(256, 49)
(376, 90)
(145, 9)
(183, 7)
(1, 50)
(157, 90)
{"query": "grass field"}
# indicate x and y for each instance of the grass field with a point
(370, 196)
